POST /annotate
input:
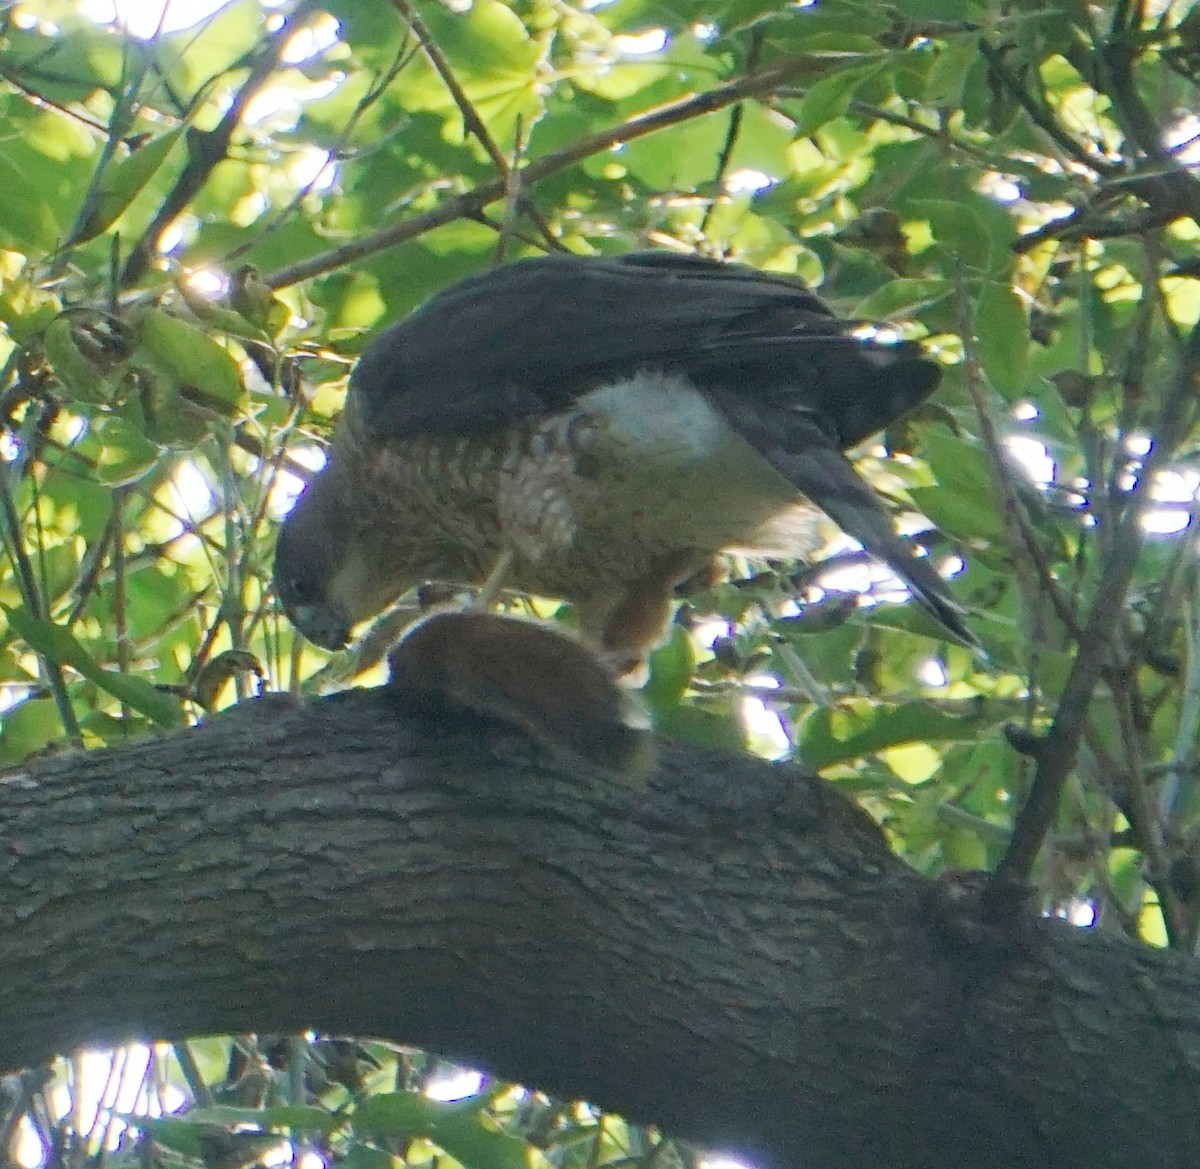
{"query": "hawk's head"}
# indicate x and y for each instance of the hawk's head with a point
(327, 577)
(308, 558)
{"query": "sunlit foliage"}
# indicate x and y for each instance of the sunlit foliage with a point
(202, 217)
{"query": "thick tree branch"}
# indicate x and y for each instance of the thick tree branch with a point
(731, 953)
(471, 203)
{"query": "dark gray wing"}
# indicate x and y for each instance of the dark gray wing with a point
(530, 337)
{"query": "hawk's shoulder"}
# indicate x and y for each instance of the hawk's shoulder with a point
(531, 337)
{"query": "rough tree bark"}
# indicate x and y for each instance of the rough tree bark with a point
(731, 953)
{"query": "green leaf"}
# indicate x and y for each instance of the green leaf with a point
(461, 1128)
(958, 516)
(393, 1115)
(963, 851)
(202, 369)
(716, 730)
(123, 453)
(988, 777)
(902, 297)
(360, 1156)
(836, 24)
(23, 322)
(192, 1137)
(908, 617)
(948, 75)
(1127, 867)
(189, 1132)
(964, 501)
(79, 378)
(681, 157)
(1002, 338)
(671, 668)
(29, 727)
(25, 223)
(470, 1136)
(293, 1116)
(86, 60)
(112, 731)
(496, 47)
(368, 24)
(957, 227)
(59, 645)
(494, 60)
(830, 97)
(838, 735)
(122, 183)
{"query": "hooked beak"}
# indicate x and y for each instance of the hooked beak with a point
(321, 626)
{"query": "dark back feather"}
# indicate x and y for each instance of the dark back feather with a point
(530, 337)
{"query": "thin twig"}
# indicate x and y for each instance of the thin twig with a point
(1184, 760)
(336, 150)
(10, 531)
(942, 135)
(119, 125)
(733, 130)
(72, 112)
(1054, 754)
(471, 202)
(1171, 183)
(1087, 223)
(806, 681)
(727, 148)
(1146, 830)
(1046, 583)
(207, 149)
(1041, 115)
(192, 1076)
(118, 565)
(1019, 537)
(472, 121)
(977, 707)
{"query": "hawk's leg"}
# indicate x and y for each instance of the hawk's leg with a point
(629, 622)
(710, 574)
(489, 592)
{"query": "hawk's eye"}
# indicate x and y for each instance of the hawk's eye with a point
(301, 591)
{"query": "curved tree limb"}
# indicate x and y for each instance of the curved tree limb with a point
(731, 953)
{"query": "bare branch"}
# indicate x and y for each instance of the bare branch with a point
(1041, 114)
(1054, 754)
(207, 149)
(469, 204)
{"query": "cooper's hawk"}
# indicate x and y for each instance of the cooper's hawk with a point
(608, 426)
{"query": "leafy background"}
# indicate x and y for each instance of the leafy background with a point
(201, 222)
